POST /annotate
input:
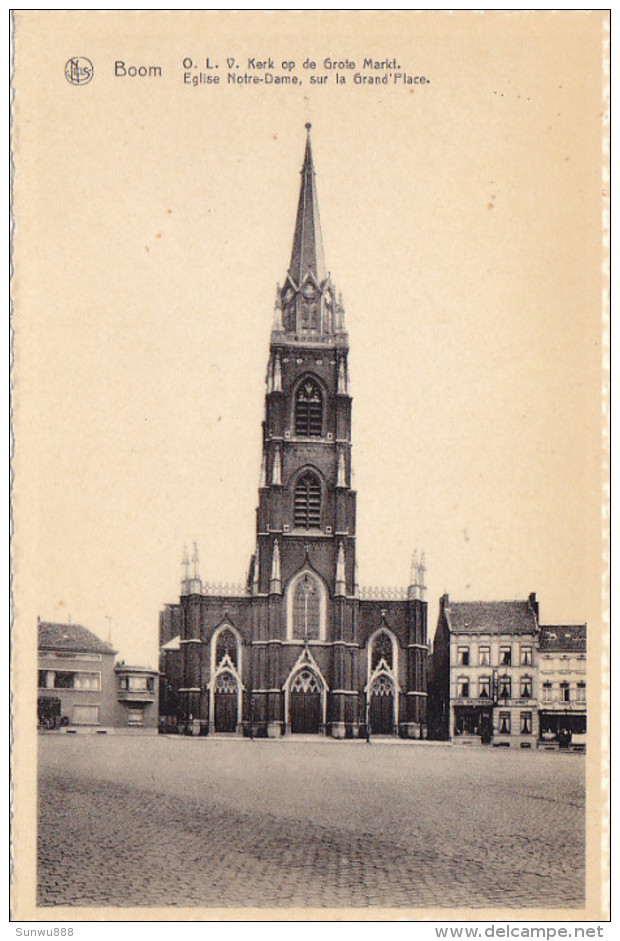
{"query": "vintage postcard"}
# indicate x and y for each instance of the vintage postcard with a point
(310, 465)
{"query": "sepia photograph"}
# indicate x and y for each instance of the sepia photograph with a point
(309, 392)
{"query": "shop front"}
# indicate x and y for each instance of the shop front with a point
(472, 723)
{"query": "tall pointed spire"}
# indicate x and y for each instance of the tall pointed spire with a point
(308, 296)
(307, 255)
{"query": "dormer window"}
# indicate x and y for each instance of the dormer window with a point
(309, 410)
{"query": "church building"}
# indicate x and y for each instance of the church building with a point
(300, 648)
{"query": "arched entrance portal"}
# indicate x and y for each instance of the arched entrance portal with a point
(225, 703)
(305, 703)
(382, 706)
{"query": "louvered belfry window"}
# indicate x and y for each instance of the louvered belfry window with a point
(308, 502)
(309, 410)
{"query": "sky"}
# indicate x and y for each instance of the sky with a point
(461, 221)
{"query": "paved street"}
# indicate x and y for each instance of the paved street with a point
(229, 822)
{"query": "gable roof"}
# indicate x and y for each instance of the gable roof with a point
(71, 637)
(491, 617)
(564, 637)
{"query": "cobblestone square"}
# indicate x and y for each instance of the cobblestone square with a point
(213, 822)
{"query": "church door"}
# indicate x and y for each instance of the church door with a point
(305, 703)
(225, 703)
(382, 707)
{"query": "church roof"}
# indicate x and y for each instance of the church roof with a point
(563, 637)
(307, 255)
(491, 617)
(71, 637)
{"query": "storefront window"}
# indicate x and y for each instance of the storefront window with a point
(466, 722)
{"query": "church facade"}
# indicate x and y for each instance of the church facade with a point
(299, 648)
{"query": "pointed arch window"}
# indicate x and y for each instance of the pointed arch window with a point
(306, 608)
(307, 504)
(381, 650)
(309, 410)
(226, 644)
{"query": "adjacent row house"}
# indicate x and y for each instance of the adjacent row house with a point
(562, 693)
(498, 677)
(81, 687)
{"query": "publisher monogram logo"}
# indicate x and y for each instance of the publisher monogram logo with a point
(79, 70)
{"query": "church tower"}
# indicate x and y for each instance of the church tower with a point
(304, 566)
(299, 648)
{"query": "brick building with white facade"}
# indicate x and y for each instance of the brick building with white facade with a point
(484, 672)
(562, 669)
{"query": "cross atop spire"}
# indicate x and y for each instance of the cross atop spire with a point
(307, 255)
